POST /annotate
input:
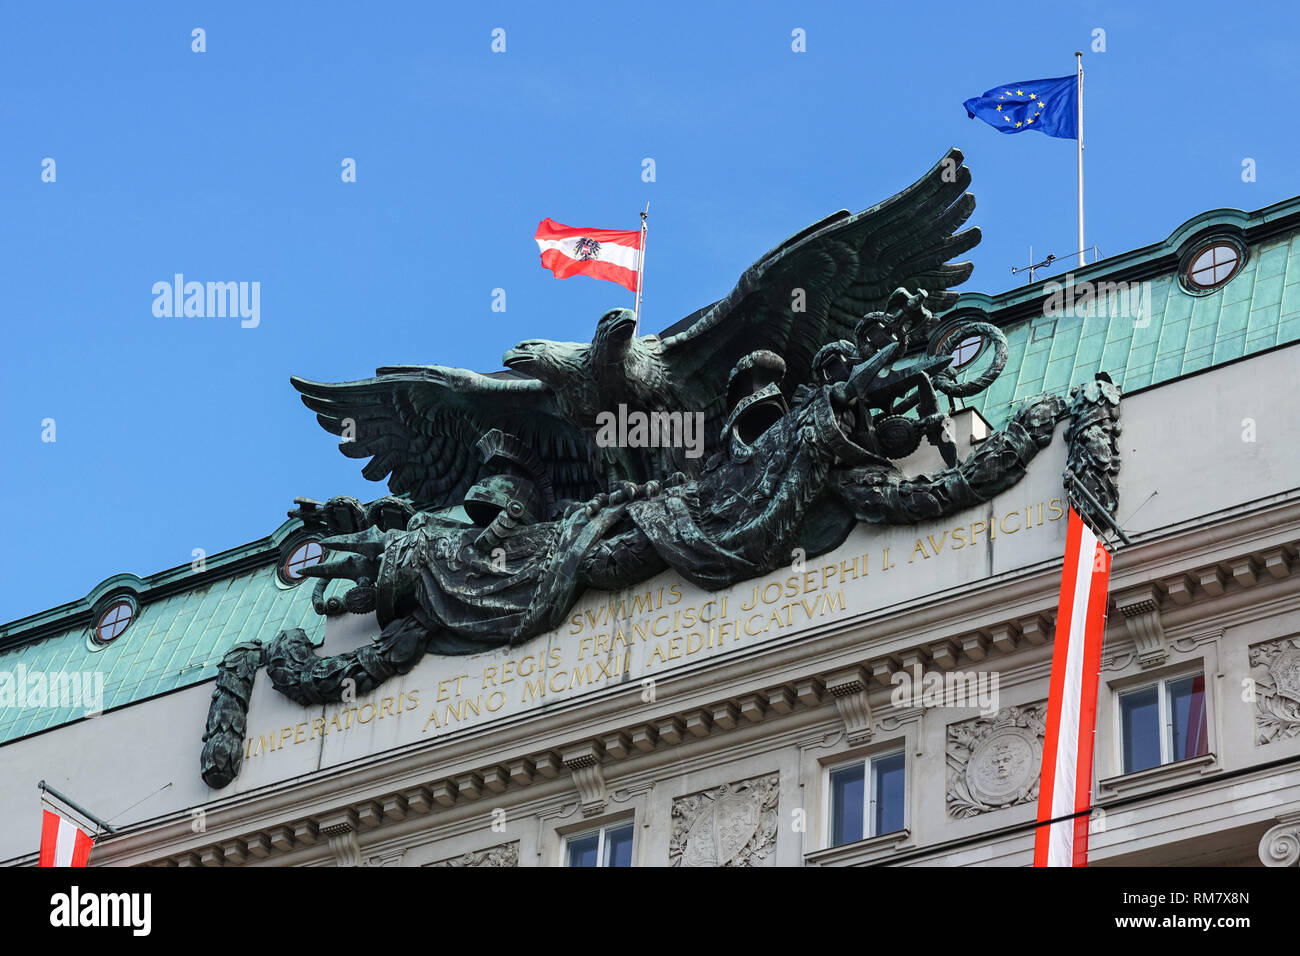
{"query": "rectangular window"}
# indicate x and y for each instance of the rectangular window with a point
(608, 846)
(867, 798)
(1163, 722)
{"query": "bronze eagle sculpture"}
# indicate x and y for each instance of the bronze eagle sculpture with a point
(419, 425)
(798, 373)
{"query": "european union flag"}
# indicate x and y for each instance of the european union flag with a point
(1051, 106)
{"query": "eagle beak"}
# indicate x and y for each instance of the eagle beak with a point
(620, 322)
(518, 359)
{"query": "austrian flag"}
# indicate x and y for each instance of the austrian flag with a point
(1065, 793)
(63, 843)
(607, 254)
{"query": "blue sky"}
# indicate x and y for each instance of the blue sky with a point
(181, 433)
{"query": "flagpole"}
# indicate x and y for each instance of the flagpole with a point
(1078, 61)
(46, 788)
(640, 270)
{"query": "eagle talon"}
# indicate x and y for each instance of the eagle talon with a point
(626, 491)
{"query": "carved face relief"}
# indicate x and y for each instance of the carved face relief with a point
(994, 762)
(1000, 766)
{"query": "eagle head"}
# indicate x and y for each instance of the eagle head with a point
(555, 363)
(614, 333)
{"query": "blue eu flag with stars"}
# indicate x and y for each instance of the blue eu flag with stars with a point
(1050, 106)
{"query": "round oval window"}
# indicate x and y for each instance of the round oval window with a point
(114, 621)
(966, 351)
(301, 558)
(1213, 266)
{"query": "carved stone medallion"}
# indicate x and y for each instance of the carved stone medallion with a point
(730, 825)
(995, 762)
(503, 855)
(1275, 670)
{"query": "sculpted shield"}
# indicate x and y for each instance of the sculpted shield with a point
(721, 831)
(1285, 672)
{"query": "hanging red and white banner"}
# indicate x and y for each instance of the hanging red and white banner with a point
(1066, 786)
(63, 843)
(607, 254)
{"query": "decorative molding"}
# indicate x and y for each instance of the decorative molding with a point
(1180, 589)
(1280, 844)
(341, 830)
(944, 654)
(1275, 672)
(1038, 628)
(1118, 662)
(1210, 581)
(820, 741)
(234, 851)
(390, 858)
(995, 762)
(1185, 645)
(1162, 775)
(849, 689)
(869, 850)
(1140, 607)
(1005, 637)
(501, 855)
(729, 825)
(583, 762)
(975, 646)
(898, 716)
(1277, 562)
(559, 811)
(1244, 571)
(624, 794)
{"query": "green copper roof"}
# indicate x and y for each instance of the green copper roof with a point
(179, 634)
(1176, 333)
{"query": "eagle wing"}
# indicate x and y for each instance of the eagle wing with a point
(419, 426)
(842, 268)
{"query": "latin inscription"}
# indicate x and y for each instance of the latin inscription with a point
(606, 641)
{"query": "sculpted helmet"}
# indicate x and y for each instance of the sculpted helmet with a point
(834, 362)
(512, 481)
(755, 399)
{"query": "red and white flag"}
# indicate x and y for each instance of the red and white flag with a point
(63, 843)
(600, 253)
(1066, 787)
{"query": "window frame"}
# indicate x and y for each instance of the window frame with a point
(979, 350)
(1213, 268)
(287, 555)
(1190, 284)
(602, 840)
(868, 794)
(1162, 711)
(114, 602)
